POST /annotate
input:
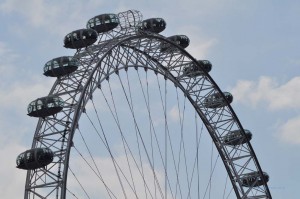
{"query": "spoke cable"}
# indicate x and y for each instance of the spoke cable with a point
(79, 183)
(135, 123)
(136, 129)
(100, 177)
(89, 151)
(123, 137)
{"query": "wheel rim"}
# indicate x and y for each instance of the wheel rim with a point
(98, 63)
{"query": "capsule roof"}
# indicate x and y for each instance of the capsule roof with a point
(207, 66)
(103, 23)
(60, 66)
(254, 179)
(80, 38)
(193, 70)
(181, 40)
(34, 158)
(154, 25)
(236, 137)
(45, 106)
(216, 100)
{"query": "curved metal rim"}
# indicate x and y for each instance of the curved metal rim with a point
(84, 90)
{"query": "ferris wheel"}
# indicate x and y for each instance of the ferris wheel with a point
(134, 115)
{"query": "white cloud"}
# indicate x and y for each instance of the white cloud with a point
(268, 90)
(289, 131)
(7, 56)
(108, 173)
(274, 96)
(51, 16)
(14, 181)
(174, 114)
(199, 48)
(200, 45)
(16, 97)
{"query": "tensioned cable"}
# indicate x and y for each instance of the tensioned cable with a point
(113, 114)
(211, 173)
(225, 187)
(167, 133)
(211, 160)
(181, 120)
(116, 165)
(147, 105)
(196, 161)
(100, 178)
(118, 123)
(140, 134)
(151, 129)
(79, 183)
(72, 193)
(224, 193)
(135, 123)
(106, 142)
(166, 138)
(173, 154)
(182, 147)
(198, 171)
(89, 151)
(136, 132)
(147, 101)
(228, 177)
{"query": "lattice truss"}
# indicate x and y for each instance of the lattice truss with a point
(120, 49)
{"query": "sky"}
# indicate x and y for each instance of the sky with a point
(253, 46)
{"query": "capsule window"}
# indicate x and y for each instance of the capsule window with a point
(55, 64)
(29, 109)
(43, 107)
(39, 102)
(68, 38)
(34, 158)
(97, 21)
(20, 159)
(39, 105)
(113, 18)
(46, 151)
(50, 105)
(29, 157)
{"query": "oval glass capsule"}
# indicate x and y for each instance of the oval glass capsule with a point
(236, 137)
(45, 106)
(103, 23)
(193, 70)
(181, 40)
(154, 25)
(60, 66)
(34, 158)
(80, 38)
(254, 179)
(216, 100)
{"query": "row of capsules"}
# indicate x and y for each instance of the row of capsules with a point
(61, 66)
(50, 105)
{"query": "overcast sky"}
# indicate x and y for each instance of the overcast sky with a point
(254, 47)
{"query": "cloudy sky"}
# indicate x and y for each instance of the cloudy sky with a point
(254, 47)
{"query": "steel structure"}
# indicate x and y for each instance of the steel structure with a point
(119, 49)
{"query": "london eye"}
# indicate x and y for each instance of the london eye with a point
(133, 115)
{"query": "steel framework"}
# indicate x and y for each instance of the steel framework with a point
(117, 50)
